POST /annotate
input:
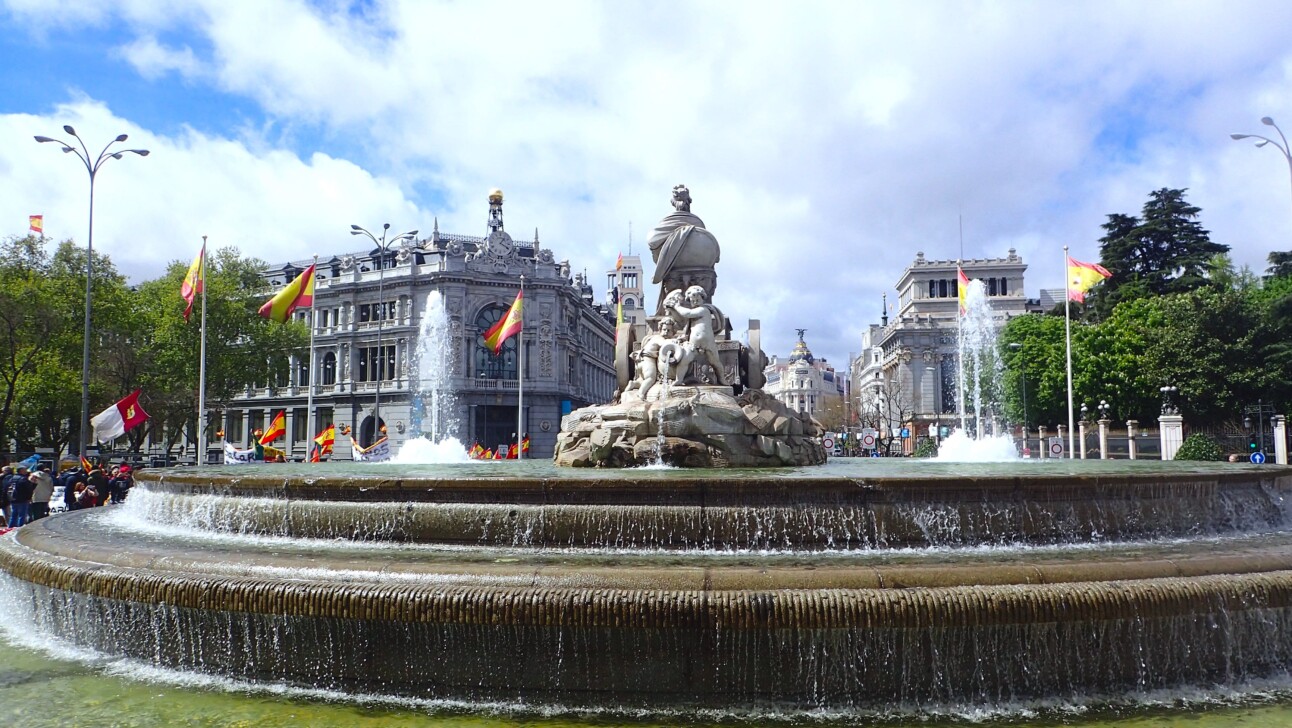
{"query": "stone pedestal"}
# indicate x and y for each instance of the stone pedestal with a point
(1103, 438)
(1281, 439)
(1042, 449)
(1130, 438)
(1171, 435)
(1081, 438)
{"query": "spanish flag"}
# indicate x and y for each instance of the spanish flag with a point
(524, 444)
(962, 289)
(620, 262)
(194, 281)
(299, 292)
(507, 326)
(276, 428)
(1081, 276)
(36, 223)
(323, 443)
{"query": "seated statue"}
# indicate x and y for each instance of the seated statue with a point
(684, 252)
(648, 359)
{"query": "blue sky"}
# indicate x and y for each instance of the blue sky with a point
(824, 142)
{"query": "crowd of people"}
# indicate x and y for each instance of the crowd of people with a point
(27, 492)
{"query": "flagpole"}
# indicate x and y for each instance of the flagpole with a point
(520, 372)
(1067, 330)
(960, 348)
(309, 378)
(201, 368)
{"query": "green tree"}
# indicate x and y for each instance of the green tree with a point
(1165, 250)
(1280, 265)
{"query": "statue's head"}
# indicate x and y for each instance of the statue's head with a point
(681, 198)
(673, 298)
(667, 327)
(696, 294)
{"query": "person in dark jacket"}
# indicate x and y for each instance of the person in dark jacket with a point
(71, 479)
(20, 488)
(99, 481)
(120, 484)
(5, 473)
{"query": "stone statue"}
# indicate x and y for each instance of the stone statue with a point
(684, 252)
(705, 320)
(649, 372)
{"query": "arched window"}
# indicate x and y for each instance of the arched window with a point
(629, 302)
(329, 368)
(489, 366)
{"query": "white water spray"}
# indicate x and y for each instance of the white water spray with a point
(981, 440)
(434, 404)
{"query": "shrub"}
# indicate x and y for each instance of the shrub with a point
(927, 448)
(1199, 447)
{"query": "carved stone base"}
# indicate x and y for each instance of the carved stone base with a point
(695, 426)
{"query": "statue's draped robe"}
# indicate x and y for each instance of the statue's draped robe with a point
(669, 239)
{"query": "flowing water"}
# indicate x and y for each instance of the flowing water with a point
(434, 403)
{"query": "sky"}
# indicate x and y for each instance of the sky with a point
(824, 143)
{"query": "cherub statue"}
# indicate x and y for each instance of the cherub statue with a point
(704, 319)
(648, 365)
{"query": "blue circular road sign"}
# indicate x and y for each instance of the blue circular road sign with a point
(1258, 458)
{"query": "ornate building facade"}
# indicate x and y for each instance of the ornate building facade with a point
(369, 310)
(625, 281)
(804, 383)
(907, 368)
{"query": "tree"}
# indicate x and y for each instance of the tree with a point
(1165, 250)
(1280, 265)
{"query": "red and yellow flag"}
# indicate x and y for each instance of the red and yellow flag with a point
(299, 292)
(323, 443)
(36, 223)
(194, 281)
(277, 428)
(962, 289)
(507, 326)
(1081, 276)
(620, 262)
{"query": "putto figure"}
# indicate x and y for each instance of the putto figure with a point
(704, 321)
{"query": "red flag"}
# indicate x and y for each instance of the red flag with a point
(194, 281)
(36, 223)
(508, 326)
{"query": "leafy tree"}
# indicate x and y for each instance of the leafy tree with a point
(1280, 265)
(1165, 250)
(1037, 365)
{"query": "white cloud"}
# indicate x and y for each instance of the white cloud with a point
(825, 143)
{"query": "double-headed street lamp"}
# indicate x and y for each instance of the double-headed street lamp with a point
(384, 246)
(93, 168)
(1283, 147)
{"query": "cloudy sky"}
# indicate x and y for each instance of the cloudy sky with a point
(824, 142)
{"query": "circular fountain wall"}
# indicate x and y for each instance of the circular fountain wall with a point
(850, 586)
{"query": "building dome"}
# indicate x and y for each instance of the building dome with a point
(495, 195)
(801, 352)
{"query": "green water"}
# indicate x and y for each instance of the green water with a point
(36, 691)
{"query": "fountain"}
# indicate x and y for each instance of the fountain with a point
(433, 359)
(856, 587)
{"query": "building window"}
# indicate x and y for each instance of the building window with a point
(373, 311)
(610, 281)
(374, 364)
(933, 289)
(942, 288)
(630, 280)
(489, 365)
(303, 373)
(1004, 287)
(991, 286)
(300, 421)
(329, 368)
(629, 303)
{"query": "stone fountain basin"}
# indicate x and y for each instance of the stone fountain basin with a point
(663, 627)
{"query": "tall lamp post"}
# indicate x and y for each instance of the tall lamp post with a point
(384, 247)
(93, 169)
(1283, 148)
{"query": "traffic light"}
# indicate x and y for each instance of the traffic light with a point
(1253, 443)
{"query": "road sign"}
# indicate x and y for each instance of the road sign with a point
(1258, 458)
(1056, 447)
(875, 454)
(905, 433)
(868, 440)
(827, 443)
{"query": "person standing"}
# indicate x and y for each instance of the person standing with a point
(20, 490)
(43, 491)
(5, 474)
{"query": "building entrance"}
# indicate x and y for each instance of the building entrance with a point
(494, 426)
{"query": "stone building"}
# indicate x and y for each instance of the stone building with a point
(370, 307)
(626, 282)
(907, 368)
(803, 382)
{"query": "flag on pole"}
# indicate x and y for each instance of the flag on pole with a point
(620, 262)
(277, 428)
(299, 292)
(118, 419)
(524, 444)
(962, 289)
(507, 326)
(194, 281)
(36, 223)
(323, 443)
(1081, 276)
(86, 465)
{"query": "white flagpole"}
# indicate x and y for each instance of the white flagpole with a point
(1067, 329)
(201, 367)
(309, 373)
(960, 348)
(520, 374)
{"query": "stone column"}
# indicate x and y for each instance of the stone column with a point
(1103, 438)
(1172, 434)
(1081, 438)
(1281, 439)
(1042, 449)
(1130, 438)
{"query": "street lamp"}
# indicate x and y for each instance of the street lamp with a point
(1103, 409)
(93, 168)
(1168, 404)
(384, 246)
(1283, 148)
